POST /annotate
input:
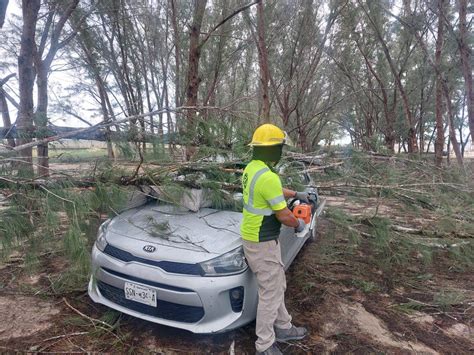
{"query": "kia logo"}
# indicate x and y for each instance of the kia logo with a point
(149, 248)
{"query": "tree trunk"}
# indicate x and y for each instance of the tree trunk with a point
(263, 64)
(193, 79)
(177, 51)
(218, 60)
(439, 142)
(42, 67)
(465, 53)
(3, 10)
(41, 118)
(26, 77)
(422, 112)
(4, 108)
(452, 132)
(105, 115)
(6, 115)
(461, 127)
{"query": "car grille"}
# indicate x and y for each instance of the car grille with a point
(146, 282)
(169, 266)
(165, 310)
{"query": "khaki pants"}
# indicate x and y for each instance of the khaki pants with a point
(264, 259)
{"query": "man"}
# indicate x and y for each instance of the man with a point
(264, 210)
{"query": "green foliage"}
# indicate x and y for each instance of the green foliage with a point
(444, 300)
(223, 200)
(290, 174)
(107, 198)
(447, 299)
(15, 224)
(41, 220)
(158, 229)
(338, 216)
(365, 286)
(462, 256)
(76, 247)
(308, 287)
(409, 307)
(415, 189)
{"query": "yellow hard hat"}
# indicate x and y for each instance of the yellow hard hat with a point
(268, 135)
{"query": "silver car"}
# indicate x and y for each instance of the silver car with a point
(179, 268)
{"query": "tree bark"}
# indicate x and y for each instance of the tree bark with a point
(4, 109)
(3, 11)
(465, 52)
(26, 75)
(177, 53)
(6, 116)
(439, 142)
(452, 132)
(42, 66)
(193, 79)
(422, 112)
(41, 117)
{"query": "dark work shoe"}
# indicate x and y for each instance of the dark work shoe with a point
(272, 350)
(294, 333)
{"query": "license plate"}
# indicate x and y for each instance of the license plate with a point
(139, 293)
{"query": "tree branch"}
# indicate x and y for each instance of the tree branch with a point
(5, 79)
(236, 12)
(54, 46)
(10, 98)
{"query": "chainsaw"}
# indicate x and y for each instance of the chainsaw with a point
(305, 211)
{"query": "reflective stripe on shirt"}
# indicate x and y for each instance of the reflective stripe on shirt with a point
(249, 205)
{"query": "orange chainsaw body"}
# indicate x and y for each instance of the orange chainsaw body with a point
(303, 211)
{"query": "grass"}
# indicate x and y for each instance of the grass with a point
(106, 332)
(65, 155)
(447, 299)
(444, 301)
(122, 151)
(365, 286)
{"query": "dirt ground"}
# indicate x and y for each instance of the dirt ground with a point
(348, 304)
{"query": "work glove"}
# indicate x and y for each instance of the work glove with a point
(303, 196)
(300, 226)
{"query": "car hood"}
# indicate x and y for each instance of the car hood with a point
(177, 234)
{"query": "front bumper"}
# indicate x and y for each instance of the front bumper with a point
(195, 303)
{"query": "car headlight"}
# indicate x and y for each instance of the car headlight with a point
(101, 242)
(230, 263)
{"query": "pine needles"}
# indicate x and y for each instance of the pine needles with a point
(406, 218)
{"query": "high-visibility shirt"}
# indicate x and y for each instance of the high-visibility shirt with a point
(263, 195)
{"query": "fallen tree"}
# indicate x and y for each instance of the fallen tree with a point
(98, 134)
